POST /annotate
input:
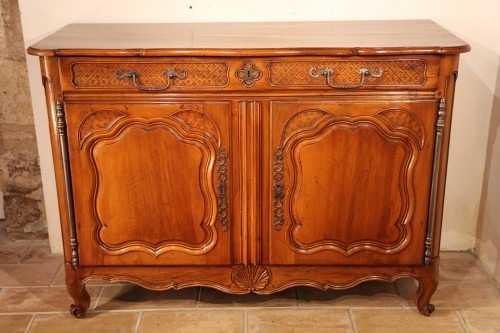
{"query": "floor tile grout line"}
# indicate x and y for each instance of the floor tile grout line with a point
(353, 321)
(25, 253)
(273, 308)
(55, 275)
(401, 299)
(198, 297)
(138, 322)
(245, 321)
(461, 320)
(30, 264)
(299, 298)
(97, 298)
(239, 309)
(28, 327)
(45, 285)
(464, 282)
(19, 313)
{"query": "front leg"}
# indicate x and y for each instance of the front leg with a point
(75, 284)
(428, 281)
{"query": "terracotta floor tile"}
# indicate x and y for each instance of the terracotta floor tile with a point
(462, 270)
(11, 254)
(201, 321)
(212, 298)
(457, 295)
(298, 321)
(41, 254)
(101, 322)
(14, 323)
(126, 297)
(364, 295)
(27, 275)
(481, 321)
(37, 299)
(405, 321)
(59, 278)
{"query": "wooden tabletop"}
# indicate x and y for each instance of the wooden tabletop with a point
(256, 39)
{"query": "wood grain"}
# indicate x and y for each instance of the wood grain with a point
(346, 38)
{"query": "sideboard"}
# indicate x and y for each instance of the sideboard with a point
(250, 157)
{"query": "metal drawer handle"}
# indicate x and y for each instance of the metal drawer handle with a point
(169, 74)
(328, 72)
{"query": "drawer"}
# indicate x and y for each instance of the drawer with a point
(136, 74)
(371, 73)
(143, 74)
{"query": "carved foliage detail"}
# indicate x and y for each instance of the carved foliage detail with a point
(251, 277)
(98, 120)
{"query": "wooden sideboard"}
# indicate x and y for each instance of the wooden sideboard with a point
(250, 157)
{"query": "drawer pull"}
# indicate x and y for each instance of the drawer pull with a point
(328, 72)
(169, 74)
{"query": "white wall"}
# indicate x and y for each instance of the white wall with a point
(488, 240)
(474, 21)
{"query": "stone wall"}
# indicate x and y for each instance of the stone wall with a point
(20, 179)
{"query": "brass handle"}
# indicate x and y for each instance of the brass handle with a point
(169, 74)
(328, 72)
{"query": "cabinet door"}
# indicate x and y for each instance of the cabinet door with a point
(151, 182)
(349, 181)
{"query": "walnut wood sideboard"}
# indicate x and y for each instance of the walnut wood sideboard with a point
(250, 157)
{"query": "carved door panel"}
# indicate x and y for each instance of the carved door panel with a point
(151, 182)
(349, 181)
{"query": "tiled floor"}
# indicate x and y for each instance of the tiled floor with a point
(33, 299)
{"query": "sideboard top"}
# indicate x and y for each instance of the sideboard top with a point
(256, 39)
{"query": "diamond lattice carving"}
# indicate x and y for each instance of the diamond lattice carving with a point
(101, 75)
(395, 73)
(404, 120)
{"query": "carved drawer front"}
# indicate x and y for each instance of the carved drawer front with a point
(137, 74)
(355, 73)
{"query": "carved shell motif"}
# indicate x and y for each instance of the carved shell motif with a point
(251, 277)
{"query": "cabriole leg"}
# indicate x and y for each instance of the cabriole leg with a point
(428, 281)
(76, 288)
